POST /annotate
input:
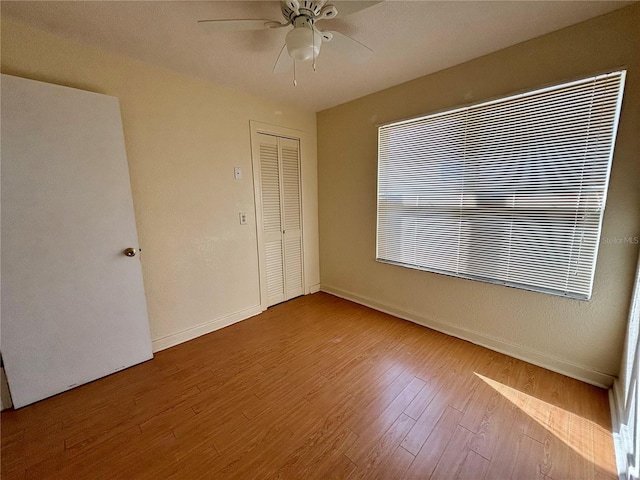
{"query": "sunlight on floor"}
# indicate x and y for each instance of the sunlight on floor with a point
(577, 432)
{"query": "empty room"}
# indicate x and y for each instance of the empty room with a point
(318, 239)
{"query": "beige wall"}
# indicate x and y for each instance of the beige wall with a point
(582, 339)
(183, 137)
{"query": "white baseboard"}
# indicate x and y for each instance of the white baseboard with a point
(314, 288)
(554, 364)
(167, 341)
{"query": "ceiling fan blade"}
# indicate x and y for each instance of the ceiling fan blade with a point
(347, 7)
(238, 25)
(284, 62)
(355, 51)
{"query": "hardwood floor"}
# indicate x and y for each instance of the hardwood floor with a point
(318, 388)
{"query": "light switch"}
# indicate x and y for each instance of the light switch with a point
(237, 173)
(243, 218)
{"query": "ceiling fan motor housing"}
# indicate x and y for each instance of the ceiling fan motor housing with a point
(292, 8)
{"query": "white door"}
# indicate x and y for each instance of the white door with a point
(73, 304)
(279, 162)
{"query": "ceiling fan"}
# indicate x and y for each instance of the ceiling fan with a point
(303, 42)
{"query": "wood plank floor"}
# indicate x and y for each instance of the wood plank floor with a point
(318, 388)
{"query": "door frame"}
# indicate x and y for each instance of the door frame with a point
(277, 131)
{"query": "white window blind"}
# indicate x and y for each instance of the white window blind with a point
(510, 191)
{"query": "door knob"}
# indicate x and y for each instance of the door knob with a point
(130, 252)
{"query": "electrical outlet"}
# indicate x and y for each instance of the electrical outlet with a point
(243, 218)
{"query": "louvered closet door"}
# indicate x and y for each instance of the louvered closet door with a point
(272, 218)
(290, 175)
(281, 217)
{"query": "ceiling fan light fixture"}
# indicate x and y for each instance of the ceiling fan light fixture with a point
(303, 44)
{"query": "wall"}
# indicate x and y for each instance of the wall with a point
(183, 137)
(581, 339)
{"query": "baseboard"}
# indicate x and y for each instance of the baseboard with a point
(314, 288)
(619, 441)
(554, 364)
(193, 332)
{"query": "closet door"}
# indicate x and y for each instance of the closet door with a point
(292, 231)
(272, 218)
(281, 217)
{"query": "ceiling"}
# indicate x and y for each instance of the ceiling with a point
(410, 39)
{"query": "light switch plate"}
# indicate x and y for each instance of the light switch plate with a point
(243, 218)
(237, 173)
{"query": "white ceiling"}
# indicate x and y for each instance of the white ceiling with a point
(410, 39)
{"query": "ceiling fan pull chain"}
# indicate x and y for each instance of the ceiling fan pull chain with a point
(313, 45)
(295, 82)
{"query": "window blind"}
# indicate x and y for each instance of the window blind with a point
(510, 191)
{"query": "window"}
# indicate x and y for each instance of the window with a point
(510, 191)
